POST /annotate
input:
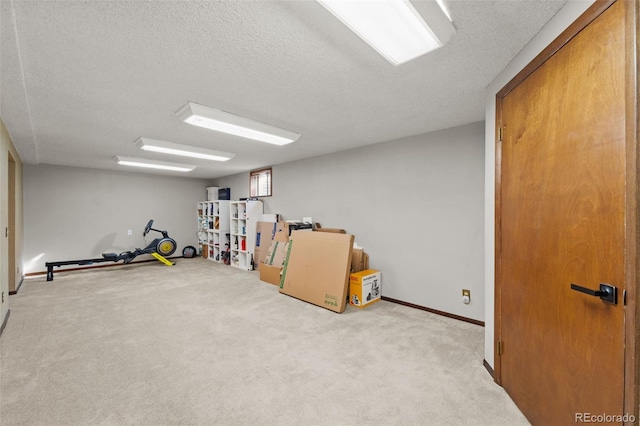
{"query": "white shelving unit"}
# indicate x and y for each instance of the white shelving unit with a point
(213, 228)
(203, 227)
(220, 231)
(243, 218)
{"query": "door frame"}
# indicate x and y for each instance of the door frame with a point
(11, 169)
(632, 238)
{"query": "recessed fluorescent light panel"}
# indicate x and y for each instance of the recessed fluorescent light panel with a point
(153, 164)
(393, 27)
(221, 121)
(445, 9)
(182, 150)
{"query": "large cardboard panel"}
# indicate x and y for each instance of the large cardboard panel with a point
(317, 268)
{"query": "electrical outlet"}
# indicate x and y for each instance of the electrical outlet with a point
(129, 232)
(466, 296)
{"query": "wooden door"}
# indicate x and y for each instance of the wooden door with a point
(561, 220)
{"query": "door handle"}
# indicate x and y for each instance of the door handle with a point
(607, 292)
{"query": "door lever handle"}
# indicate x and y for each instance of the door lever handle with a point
(597, 293)
(607, 292)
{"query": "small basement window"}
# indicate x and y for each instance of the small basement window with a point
(260, 183)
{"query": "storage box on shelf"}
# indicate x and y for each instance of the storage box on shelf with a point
(243, 218)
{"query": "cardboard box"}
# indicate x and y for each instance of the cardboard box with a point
(335, 230)
(319, 228)
(364, 288)
(282, 234)
(359, 260)
(270, 274)
(317, 268)
(265, 234)
(271, 266)
(276, 254)
(212, 193)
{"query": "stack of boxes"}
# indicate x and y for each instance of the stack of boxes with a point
(323, 268)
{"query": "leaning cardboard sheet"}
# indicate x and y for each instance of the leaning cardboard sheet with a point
(317, 268)
(274, 258)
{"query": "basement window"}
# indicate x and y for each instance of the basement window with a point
(260, 183)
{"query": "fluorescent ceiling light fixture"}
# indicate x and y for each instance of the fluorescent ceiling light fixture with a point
(444, 8)
(153, 164)
(393, 27)
(221, 121)
(182, 150)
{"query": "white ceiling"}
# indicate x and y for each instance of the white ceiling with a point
(80, 81)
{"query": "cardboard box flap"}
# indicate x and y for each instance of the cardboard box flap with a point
(337, 230)
(356, 260)
(317, 268)
(359, 260)
(319, 228)
(276, 254)
(266, 232)
(270, 274)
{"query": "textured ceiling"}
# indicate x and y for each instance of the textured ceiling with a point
(80, 81)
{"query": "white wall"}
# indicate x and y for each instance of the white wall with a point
(416, 205)
(76, 213)
(569, 13)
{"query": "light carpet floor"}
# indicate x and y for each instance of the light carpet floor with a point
(206, 344)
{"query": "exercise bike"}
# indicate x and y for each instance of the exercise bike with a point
(159, 248)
